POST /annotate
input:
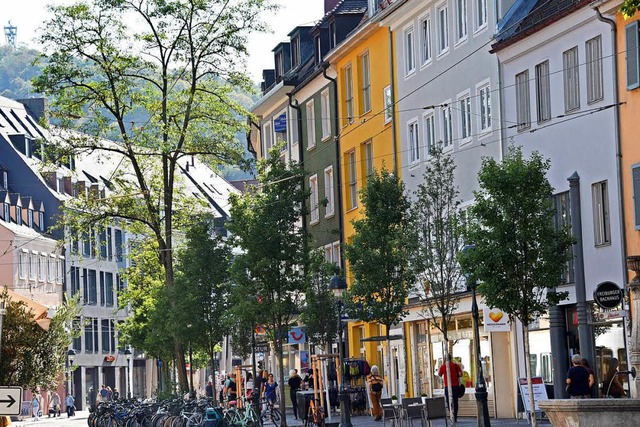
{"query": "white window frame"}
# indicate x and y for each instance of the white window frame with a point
(365, 87)
(348, 93)
(51, 272)
(335, 253)
(429, 132)
(595, 81)
(388, 104)
(485, 121)
(571, 73)
(426, 46)
(601, 213)
(325, 111)
(368, 158)
(310, 109)
(33, 265)
(462, 26)
(446, 122)
(523, 101)
(267, 138)
(464, 117)
(482, 15)
(443, 33)
(543, 92)
(23, 264)
(330, 209)
(413, 139)
(59, 269)
(409, 43)
(314, 206)
(352, 179)
(43, 263)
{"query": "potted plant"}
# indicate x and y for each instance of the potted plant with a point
(394, 400)
(424, 398)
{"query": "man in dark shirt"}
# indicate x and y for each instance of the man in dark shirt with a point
(578, 379)
(294, 385)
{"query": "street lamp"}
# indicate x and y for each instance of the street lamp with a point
(127, 354)
(71, 355)
(481, 386)
(338, 285)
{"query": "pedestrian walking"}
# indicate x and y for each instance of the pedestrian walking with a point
(230, 388)
(208, 390)
(295, 382)
(456, 373)
(376, 384)
(271, 390)
(116, 394)
(578, 381)
(70, 402)
(592, 375)
(104, 394)
(93, 399)
(54, 404)
(35, 406)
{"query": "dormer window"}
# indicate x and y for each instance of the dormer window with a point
(318, 50)
(5, 179)
(18, 215)
(295, 52)
(332, 35)
(30, 218)
(279, 65)
(41, 220)
(7, 212)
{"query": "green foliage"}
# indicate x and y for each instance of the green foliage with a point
(17, 68)
(519, 254)
(436, 227)
(320, 312)
(378, 255)
(31, 356)
(629, 7)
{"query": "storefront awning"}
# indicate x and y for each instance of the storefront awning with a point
(382, 338)
(39, 311)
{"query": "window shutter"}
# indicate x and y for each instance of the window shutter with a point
(635, 178)
(633, 66)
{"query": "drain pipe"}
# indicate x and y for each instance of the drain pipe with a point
(393, 105)
(300, 148)
(336, 124)
(616, 111)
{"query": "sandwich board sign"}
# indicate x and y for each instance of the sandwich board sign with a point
(10, 400)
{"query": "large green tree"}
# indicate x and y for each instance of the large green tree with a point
(519, 254)
(33, 356)
(173, 62)
(271, 269)
(630, 7)
(436, 227)
(378, 254)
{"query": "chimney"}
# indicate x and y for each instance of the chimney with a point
(37, 108)
(68, 185)
(329, 5)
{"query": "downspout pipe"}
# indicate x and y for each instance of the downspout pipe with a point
(616, 112)
(336, 122)
(296, 107)
(393, 103)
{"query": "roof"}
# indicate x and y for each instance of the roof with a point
(345, 7)
(527, 17)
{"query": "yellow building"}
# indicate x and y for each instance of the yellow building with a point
(363, 63)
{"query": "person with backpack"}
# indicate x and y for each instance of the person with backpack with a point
(376, 384)
(230, 388)
(71, 408)
(458, 389)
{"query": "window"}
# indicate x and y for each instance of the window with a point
(103, 297)
(7, 212)
(571, 80)
(633, 55)
(425, 40)
(91, 335)
(443, 29)
(562, 221)
(51, 274)
(367, 149)
(601, 225)
(77, 341)
(30, 218)
(318, 50)
(414, 142)
(429, 133)
(335, 253)
(313, 199)
(119, 248)
(103, 243)
(280, 124)
(5, 179)
(635, 181)
(447, 127)
(461, 19)
(481, 17)
(348, 93)
(328, 191)
(325, 110)
(91, 279)
(523, 108)
(18, 215)
(365, 76)
(595, 85)
(41, 221)
(279, 61)
(409, 52)
(311, 124)
(60, 270)
(464, 106)
(74, 274)
(86, 243)
(295, 52)
(332, 34)
(109, 243)
(543, 92)
(484, 98)
(388, 104)
(267, 138)
(24, 264)
(352, 179)
(33, 266)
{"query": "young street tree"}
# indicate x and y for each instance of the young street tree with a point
(271, 268)
(436, 227)
(378, 254)
(157, 78)
(519, 254)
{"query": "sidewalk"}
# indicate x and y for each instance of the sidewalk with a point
(63, 420)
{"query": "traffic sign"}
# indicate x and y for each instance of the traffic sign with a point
(10, 400)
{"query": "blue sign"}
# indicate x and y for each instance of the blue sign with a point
(280, 123)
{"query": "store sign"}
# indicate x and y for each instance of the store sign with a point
(608, 295)
(539, 392)
(496, 320)
(296, 336)
(280, 123)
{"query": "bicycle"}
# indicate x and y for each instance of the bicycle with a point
(315, 415)
(271, 413)
(245, 417)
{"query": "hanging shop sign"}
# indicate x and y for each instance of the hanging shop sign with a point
(608, 295)
(296, 336)
(496, 320)
(280, 123)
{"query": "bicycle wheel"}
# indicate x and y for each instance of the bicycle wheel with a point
(276, 418)
(195, 420)
(231, 417)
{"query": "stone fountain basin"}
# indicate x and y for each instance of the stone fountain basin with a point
(592, 412)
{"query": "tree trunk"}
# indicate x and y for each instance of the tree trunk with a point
(448, 377)
(392, 381)
(283, 409)
(527, 361)
(212, 355)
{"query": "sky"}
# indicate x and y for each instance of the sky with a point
(28, 16)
